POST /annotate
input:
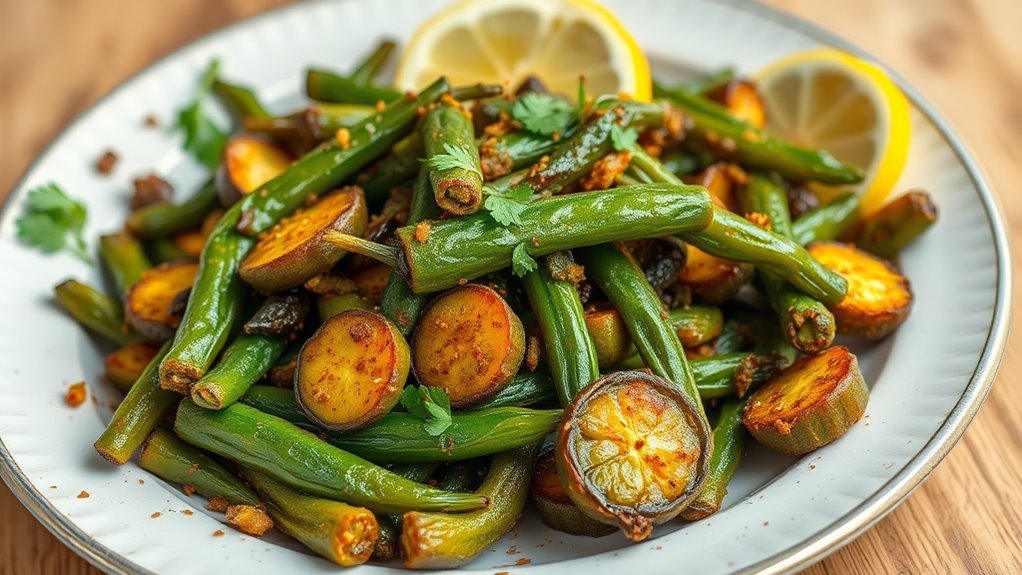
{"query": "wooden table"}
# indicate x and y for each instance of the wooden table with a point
(56, 58)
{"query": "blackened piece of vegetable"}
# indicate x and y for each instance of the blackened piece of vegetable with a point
(280, 315)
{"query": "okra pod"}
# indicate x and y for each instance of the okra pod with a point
(438, 540)
(94, 310)
(444, 253)
(399, 437)
(527, 388)
(173, 460)
(896, 225)
(124, 258)
(400, 304)
(828, 222)
(645, 317)
(390, 523)
(215, 299)
(326, 86)
(712, 124)
(732, 237)
(729, 439)
(570, 353)
(464, 475)
(162, 220)
(452, 159)
(339, 532)
(807, 323)
(297, 458)
(518, 149)
(244, 362)
(137, 415)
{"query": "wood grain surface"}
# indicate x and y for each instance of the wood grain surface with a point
(58, 57)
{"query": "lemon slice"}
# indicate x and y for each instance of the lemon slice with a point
(505, 41)
(828, 99)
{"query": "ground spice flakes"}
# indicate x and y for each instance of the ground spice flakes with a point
(76, 394)
(248, 519)
(83, 495)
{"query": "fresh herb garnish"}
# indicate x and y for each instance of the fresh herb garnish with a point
(456, 157)
(542, 114)
(623, 139)
(507, 207)
(203, 138)
(431, 405)
(52, 221)
(521, 262)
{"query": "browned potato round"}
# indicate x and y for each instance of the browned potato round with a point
(126, 364)
(371, 282)
(555, 508)
(192, 242)
(878, 299)
(147, 307)
(248, 162)
(294, 251)
(468, 343)
(351, 371)
(742, 99)
(714, 280)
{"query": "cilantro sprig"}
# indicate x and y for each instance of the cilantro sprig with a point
(507, 207)
(203, 138)
(542, 114)
(52, 221)
(455, 157)
(431, 405)
(521, 262)
(623, 139)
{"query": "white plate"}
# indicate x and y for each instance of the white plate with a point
(927, 381)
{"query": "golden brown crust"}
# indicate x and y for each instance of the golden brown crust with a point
(249, 520)
(147, 305)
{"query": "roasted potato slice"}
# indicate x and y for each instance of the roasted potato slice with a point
(248, 162)
(294, 251)
(469, 343)
(555, 508)
(742, 99)
(126, 364)
(352, 371)
(371, 282)
(714, 280)
(879, 298)
(810, 404)
(147, 307)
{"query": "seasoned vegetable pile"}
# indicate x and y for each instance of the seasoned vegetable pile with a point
(390, 320)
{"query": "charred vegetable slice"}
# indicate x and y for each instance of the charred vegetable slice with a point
(897, 224)
(631, 451)
(879, 298)
(437, 540)
(279, 315)
(555, 507)
(720, 180)
(714, 280)
(294, 251)
(147, 305)
(125, 365)
(810, 404)
(340, 532)
(351, 372)
(248, 162)
(469, 343)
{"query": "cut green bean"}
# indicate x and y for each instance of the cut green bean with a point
(244, 362)
(173, 460)
(827, 223)
(94, 310)
(163, 220)
(124, 258)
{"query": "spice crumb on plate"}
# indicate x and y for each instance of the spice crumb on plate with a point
(83, 495)
(218, 533)
(76, 394)
(107, 162)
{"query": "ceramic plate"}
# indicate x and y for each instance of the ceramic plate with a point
(782, 513)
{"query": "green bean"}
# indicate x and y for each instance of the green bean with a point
(136, 416)
(827, 223)
(806, 322)
(711, 123)
(464, 475)
(390, 523)
(295, 457)
(896, 225)
(163, 250)
(729, 439)
(162, 220)
(706, 83)
(244, 362)
(124, 258)
(170, 459)
(465, 248)
(527, 388)
(240, 100)
(371, 66)
(326, 86)
(570, 352)
(94, 310)
(457, 185)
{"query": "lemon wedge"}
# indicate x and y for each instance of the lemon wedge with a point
(505, 41)
(828, 99)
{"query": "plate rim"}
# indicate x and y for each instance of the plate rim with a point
(826, 541)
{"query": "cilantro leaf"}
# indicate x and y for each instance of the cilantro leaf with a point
(52, 221)
(542, 114)
(455, 158)
(507, 207)
(431, 405)
(521, 262)
(203, 138)
(623, 139)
